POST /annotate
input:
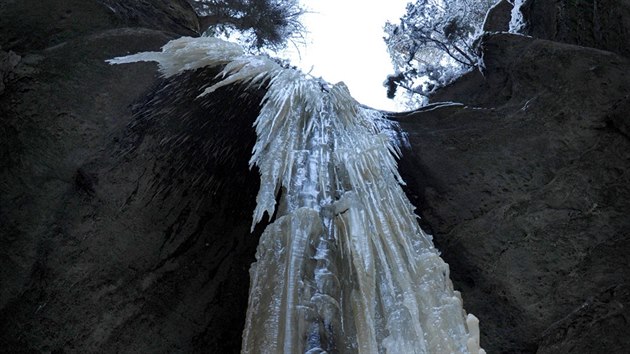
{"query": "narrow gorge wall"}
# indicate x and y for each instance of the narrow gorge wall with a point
(524, 183)
(601, 24)
(116, 235)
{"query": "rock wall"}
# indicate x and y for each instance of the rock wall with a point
(498, 17)
(525, 183)
(116, 233)
(602, 24)
(539, 134)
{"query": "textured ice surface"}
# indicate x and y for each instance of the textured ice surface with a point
(344, 267)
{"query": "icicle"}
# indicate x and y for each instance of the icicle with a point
(187, 53)
(344, 267)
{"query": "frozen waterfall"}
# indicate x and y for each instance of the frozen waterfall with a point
(344, 266)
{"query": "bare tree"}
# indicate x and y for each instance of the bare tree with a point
(433, 43)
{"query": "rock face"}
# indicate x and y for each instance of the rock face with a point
(125, 203)
(537, 138)
(8, 63)
(498, 17)
(28, 25)
(602, 24)
(116, 234)
(525, 185)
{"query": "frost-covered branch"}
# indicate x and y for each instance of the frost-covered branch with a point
(433, 41)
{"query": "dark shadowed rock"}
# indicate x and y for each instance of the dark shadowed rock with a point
(618, 115)
(57, 115)
(602, 24)
(119, 231)
(142, 243)
(604, 314)
(525, 186)
(175, 16)
(28, 25)
(498, 17)
(8, 63)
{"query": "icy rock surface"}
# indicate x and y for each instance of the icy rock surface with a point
(517, 23)
(344, 267)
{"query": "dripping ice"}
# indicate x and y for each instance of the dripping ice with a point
(344, 267)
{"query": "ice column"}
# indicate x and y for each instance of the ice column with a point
(344, 266)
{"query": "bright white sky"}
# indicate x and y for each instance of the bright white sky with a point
(345, 43)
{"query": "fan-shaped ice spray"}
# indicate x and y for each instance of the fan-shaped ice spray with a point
(344, 267)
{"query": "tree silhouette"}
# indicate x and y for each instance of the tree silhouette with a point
(266, 23)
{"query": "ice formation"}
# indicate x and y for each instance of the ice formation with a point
(344, 266)
(517, 21)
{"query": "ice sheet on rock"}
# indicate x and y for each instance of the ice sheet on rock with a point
(517, 21)
(344, 267)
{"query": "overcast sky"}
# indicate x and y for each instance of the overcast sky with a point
(345, 43)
